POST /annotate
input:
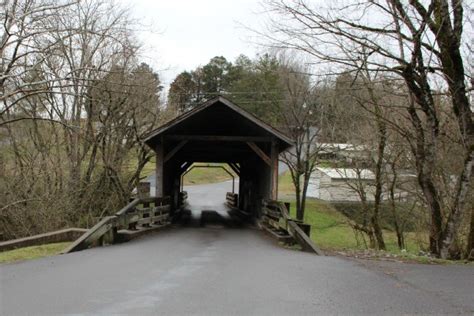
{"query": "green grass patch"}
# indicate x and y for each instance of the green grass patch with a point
(32, 252)
(408, 257)
(201, 175)
(330, 228)
(197, 175)
(285, 185)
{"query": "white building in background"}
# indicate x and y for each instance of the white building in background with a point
(341, 184)
(342, 152)
(345, 185)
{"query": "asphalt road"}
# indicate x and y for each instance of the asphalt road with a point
(207, 268)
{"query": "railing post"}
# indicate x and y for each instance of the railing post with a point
(143, 190)
(288, 206)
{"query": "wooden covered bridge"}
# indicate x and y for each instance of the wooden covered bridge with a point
(217, 131)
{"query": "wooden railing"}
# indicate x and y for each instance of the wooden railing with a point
(183, 198)
(232, 199)
(275, 215)
(145, 212)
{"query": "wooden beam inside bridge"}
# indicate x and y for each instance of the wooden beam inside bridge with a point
(175, 150)
(219, 138)
(260, 153)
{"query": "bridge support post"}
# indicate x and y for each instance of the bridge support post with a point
(159, 169)
(274, 170)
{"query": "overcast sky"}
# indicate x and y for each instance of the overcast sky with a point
(188, 33)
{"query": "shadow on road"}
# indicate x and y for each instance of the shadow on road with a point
(210, 218)
(207, 208)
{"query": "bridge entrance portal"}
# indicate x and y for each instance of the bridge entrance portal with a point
(219, 131)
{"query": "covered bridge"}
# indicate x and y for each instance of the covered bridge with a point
(219, 131)
(216, 131)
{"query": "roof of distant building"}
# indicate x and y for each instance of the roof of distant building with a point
(341, 146)
(346, 173)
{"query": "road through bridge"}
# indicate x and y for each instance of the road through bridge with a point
(216, 269)
(217, 131)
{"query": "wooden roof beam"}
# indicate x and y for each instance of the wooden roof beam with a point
(220, 138)
(175, 150)
(234, 167)
(260, 153)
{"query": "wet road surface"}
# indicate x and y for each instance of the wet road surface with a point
(208, 267)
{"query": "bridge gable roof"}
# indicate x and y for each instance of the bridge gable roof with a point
(218, 117)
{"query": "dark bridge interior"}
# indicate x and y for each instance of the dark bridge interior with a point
(219, 131)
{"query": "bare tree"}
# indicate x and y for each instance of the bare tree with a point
(23, 42)
(420, 43)
(91, 83)
(303, 117)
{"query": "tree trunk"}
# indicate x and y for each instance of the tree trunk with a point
(396, 224)
(425, 149)
(299, 210)
(455, 216)
(470, 242)
(303, 194)
(393, 207)
(382, 139)
(449, 42)
(436, 228)
(377, 231)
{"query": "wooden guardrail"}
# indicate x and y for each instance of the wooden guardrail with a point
(183, 198)
(68, 234)
(275, 215)
(232, 199)
(143, 212)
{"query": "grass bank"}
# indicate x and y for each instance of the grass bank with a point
(32, 252)
(198, 175)
(331, 231)
(214, 174)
